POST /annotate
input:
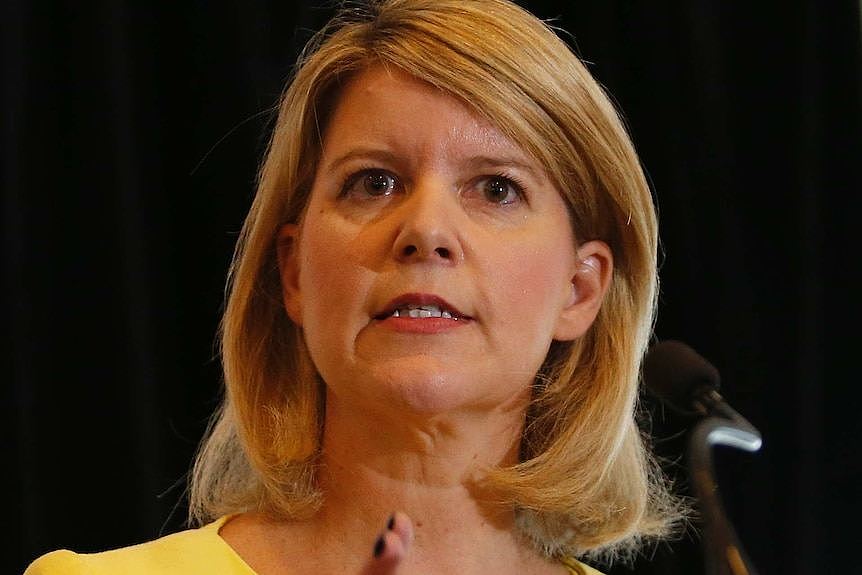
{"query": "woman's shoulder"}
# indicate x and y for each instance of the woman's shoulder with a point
(199, 550)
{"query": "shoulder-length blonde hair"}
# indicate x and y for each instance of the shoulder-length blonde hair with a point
(586, 484)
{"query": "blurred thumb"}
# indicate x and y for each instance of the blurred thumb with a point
(391, 546)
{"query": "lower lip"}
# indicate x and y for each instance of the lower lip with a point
(422, 325)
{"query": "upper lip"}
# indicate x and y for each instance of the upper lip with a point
(419, 299)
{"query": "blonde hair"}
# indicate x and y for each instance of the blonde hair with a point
(586, 484)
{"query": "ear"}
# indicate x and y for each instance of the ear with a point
(288, 268)
(590, 282)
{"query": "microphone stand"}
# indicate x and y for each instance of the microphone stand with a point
(724, 554)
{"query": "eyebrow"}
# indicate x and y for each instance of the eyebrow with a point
(504, 161)
(479, 161)
(378, 154)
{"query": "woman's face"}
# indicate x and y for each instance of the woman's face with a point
(436, 262)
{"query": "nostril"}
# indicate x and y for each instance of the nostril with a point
(414, 251)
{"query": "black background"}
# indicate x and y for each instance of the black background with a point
(131, 136)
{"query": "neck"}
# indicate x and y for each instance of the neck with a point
(427, 466)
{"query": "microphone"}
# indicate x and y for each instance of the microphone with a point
(689, 384)
(681, 377)
(684, 380)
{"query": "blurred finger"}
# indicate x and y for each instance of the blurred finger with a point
(391, 546)
(401, 524)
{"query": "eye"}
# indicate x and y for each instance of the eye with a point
(378, 183)
(371, 183)
(500, 189)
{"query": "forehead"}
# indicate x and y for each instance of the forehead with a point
(384, 105)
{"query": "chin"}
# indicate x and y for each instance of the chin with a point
(439, 390)
(426, 390)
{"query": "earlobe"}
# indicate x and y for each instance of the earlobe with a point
(288, 268)
(589, 284)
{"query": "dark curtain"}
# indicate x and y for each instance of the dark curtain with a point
(131, 136)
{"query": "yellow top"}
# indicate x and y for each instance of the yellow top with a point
(187, 552)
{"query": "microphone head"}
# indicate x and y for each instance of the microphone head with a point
(677, 374)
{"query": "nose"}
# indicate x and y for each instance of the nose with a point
(428, 227)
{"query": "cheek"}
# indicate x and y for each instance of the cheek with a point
(530, 285)
(539, 264)
(330, 279)
(536, 284)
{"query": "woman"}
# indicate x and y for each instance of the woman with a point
(436, 317)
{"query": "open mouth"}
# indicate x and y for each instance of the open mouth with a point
(423, 311)
(416, 306)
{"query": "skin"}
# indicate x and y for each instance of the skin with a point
(416, 194)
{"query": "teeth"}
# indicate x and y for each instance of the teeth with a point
(422, 311)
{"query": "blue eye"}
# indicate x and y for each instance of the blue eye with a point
(501, 190)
